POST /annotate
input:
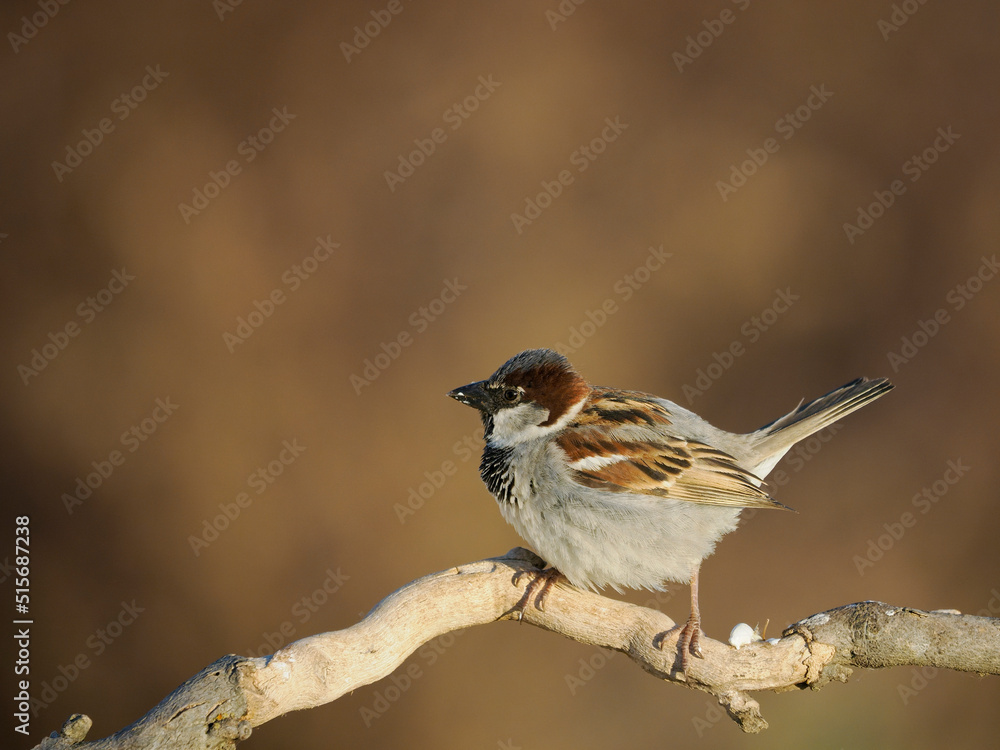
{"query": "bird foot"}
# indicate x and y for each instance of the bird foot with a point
(689, 642)
(541, 581)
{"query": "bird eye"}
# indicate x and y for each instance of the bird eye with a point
(511, 395)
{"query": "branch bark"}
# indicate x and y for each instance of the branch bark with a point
(220, 705)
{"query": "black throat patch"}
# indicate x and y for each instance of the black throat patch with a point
(497, 472)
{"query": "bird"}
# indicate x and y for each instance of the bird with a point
(622, 488)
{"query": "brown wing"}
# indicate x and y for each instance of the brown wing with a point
(652, 461)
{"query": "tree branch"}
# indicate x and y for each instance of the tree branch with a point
(221, 704)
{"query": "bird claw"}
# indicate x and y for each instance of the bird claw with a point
(544, 578)
(689, 642)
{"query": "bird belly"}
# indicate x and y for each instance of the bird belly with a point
(598, 538)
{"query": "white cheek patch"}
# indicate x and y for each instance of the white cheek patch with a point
(508, 424)
(522, 423)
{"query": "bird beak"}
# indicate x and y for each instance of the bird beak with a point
(473, 395)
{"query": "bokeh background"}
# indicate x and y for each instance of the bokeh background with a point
(555, 75)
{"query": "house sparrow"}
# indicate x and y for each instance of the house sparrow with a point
(624, 489)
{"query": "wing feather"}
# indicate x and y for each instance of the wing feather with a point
(652, 460)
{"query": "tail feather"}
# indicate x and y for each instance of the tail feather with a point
(806, 419)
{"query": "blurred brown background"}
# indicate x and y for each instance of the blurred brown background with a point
(207, 84)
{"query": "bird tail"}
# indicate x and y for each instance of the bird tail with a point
(806, 419)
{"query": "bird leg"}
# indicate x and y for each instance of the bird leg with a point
(689, 640)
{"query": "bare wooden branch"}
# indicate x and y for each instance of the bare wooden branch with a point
(221, 704)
